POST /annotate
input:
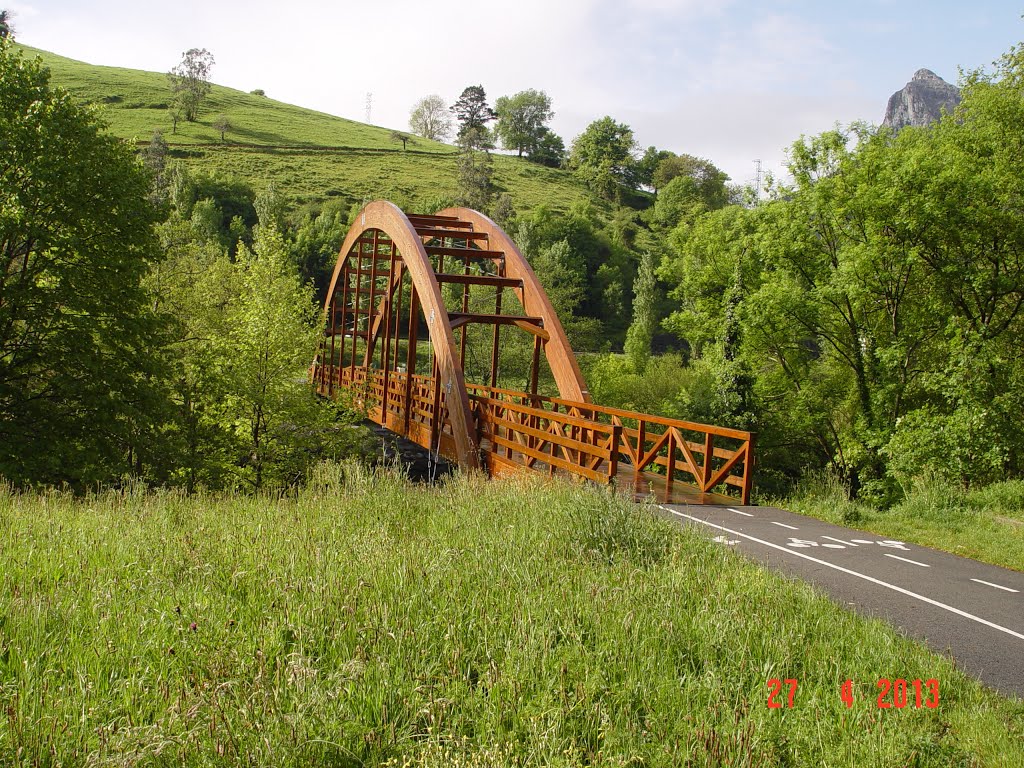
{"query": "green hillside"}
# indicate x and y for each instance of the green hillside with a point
(308, 155)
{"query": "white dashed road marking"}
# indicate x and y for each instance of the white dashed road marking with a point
(858, 575)
(997, 586)
(739, 512)
(783, 525)
(847, 543)
(905, 560)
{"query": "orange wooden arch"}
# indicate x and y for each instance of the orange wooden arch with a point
(391, 220)
(560, 357)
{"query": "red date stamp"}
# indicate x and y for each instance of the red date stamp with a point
(892, 694)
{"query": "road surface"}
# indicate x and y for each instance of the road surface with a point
(958, 607)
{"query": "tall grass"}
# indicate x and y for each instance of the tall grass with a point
(365, 621)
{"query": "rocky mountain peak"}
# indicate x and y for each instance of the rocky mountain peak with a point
(921, 101)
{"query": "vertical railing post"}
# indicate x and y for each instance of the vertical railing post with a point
(748, 471)
(410, 355)
(641, 449)
(435, 418)
(709, 454)
(613, 458)
(670, 468)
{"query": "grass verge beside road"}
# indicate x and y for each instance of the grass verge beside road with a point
(985, 524)
(366, 621)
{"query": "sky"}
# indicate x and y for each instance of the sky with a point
(733, 81)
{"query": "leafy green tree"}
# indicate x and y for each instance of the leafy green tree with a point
(549, 150)
(6, 27)
(522, 120)
(429, 118)
(686, 195)
(270, 338)
(603, 157)
(473, 113)
(222, 125)
(641, 332)
(404, 138)
(475, 180)
(80, 347)
(648, 164)
(504, 213)
(246, 331)
(475, 172)
(315, 244)
(709, 181)
(190, 81)
(154, 156)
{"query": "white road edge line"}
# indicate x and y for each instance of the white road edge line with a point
(905, 560)
(847, 543)
(997, 586)
(739, 512)
(864, 576)
(783, 525)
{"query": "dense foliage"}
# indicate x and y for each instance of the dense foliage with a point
(880, 297)
(181, 363)
(79, 385)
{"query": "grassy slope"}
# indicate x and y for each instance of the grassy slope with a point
(326, 156)
(480, 623)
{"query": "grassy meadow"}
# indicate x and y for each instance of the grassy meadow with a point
(307, 155)
(367, 621)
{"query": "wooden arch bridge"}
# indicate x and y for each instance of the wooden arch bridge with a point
(438, 328)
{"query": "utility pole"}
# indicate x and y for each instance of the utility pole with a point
(369, 107)
(757, 182)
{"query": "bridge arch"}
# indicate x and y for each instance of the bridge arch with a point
(364, 292)
(395, 272)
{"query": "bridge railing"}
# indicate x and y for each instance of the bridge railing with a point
(517, 435)
(707, 456)
(517, 429)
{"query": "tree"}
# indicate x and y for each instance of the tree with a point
(222, 125)
(402, 137)
(549, 150)
(429, 118)
(710, 181)
(80, 347)
(154, 157)
(647, 166)
(269, 338)
(6, 27)
(522, 120)
(645, 320)
(603, 156)
(190, 81)
(473, 114)
(475, 178)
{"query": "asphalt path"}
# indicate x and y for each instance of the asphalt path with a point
(970, 611)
